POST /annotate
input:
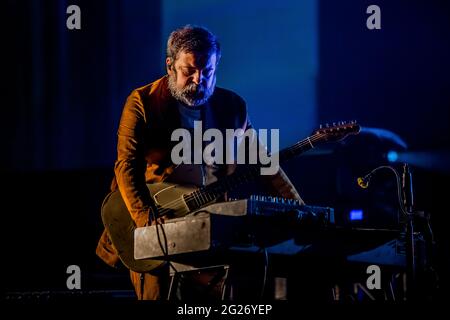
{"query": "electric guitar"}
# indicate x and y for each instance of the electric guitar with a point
(174, 200)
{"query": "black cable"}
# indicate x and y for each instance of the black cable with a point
(164, 247)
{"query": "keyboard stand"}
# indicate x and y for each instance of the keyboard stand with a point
(212, 279)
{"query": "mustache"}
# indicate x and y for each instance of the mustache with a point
(191, 94)
(193, 88)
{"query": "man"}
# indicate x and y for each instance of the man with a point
(151, 113)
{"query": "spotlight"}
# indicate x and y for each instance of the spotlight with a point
(356, 214)
(392, 156)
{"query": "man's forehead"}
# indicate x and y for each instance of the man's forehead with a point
(195, 59)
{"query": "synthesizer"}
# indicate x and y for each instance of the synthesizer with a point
(258, 220)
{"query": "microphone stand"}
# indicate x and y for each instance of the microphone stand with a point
(408, 201)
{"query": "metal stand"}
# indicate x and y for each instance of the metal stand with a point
(178, 269)
(408, 201)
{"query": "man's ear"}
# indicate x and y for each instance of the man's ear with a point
(169, 65)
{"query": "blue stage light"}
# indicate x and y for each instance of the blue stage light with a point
(392, 156)
(356, 214)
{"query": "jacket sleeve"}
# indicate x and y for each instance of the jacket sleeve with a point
(130, 165)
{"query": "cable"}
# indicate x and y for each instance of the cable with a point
(164, 247)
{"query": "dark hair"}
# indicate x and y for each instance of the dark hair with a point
(192, 39)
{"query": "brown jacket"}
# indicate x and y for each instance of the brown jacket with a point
(149, 116)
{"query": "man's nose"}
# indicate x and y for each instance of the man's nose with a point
(198, 77)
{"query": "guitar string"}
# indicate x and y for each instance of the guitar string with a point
(197, 197)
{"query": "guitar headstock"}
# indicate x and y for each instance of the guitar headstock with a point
(337, 131)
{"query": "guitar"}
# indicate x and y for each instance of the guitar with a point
(178, 200)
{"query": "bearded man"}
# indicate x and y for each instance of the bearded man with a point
(188, 93)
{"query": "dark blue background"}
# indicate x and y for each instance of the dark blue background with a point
(296, 63)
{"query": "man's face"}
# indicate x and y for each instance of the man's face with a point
(192, 77)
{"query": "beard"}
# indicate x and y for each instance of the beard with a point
(192, 95)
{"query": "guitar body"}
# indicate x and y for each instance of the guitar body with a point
(120, 226)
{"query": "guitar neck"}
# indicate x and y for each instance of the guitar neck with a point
(215, 190)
